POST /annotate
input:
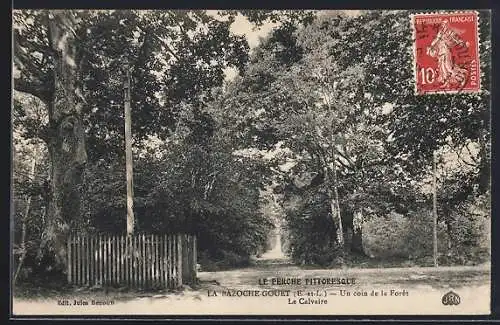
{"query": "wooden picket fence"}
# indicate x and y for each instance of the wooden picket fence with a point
(139, 260)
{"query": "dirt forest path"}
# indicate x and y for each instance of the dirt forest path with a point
(432, 277)
(424, 287)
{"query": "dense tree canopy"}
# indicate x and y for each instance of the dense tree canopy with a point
(322, 117)
(344, 102)
(176, 58)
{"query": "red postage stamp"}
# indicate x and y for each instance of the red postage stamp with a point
(446, 52)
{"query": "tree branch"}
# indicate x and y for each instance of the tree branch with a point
(459, 156)
(345, 155)
(34, 88)
(351, 166)
(470, 153)
(176, 21)
(148, 33)
(26, 64)
(170, 50)
(23, 57)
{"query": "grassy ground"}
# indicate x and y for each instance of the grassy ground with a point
(440, 277)
(36, 293)
(426, 287)
(437, 278)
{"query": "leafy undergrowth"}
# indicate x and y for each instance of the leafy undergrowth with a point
(363, 262)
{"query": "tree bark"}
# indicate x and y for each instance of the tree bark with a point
(337, 216)
(128, 155)
(485, 153)
(357, 233)
(484, 168)
(334, 199)
(66, 143)
(24, 220)
(331, 181)
(449, 232)
(434, 208)
(334, 206)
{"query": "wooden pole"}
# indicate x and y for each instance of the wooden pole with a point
(434, 207)
(128, 155)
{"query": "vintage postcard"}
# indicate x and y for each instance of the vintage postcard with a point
(250, 162)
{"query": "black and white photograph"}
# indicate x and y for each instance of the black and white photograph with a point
(250, 162)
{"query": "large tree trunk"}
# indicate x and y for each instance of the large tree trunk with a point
(66, 142)
(357, 233)
(334, 206)
(333, 195)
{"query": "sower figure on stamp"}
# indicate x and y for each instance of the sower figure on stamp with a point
(440, 48)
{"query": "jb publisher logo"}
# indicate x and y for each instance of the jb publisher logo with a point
(450, 299)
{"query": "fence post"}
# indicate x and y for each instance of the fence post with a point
(102, 253)
(179, 260)
(120, 260)
(160, 261)
(101, 263)
(82, 260)
(116, 259)
(143, 256)
(169, 261)
(105, 259)
(195, 260)
(87, 259)
(127, 260)
(94, 259)
(111, 267)
(70, 261)
(155, 261)
(91, 258)
(78, 260)
(132, 257)
(146, 260)
(137, 259)
(164, 260)
(185, 258)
